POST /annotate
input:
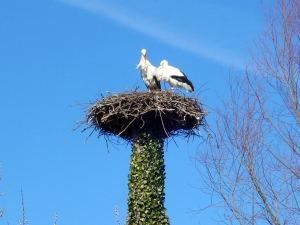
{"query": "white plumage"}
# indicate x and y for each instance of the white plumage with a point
(148, 72)
(173, 76)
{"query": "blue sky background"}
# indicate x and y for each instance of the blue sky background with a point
(57, 53)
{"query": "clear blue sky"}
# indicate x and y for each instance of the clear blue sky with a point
(56, 53)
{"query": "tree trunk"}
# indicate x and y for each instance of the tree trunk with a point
(146, 182)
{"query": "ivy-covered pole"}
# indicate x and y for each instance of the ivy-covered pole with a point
(146, 182)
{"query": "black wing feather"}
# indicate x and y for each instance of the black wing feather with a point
(183, 79)
(157, 82)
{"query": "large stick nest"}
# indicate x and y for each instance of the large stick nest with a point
(162, 113)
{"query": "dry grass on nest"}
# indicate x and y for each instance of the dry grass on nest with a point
(162, 113)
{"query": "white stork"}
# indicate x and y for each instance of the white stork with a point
(148, 72)
(173, 76)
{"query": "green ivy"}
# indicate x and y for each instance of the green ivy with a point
(146, 182)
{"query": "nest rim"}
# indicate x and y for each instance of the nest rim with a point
(163, 114)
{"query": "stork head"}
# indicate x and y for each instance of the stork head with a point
(143, 51)
(164, 63)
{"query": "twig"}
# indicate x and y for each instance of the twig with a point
(117, 215)
(24, 222)
(55, 218)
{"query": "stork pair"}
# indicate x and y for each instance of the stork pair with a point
(152, 75)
